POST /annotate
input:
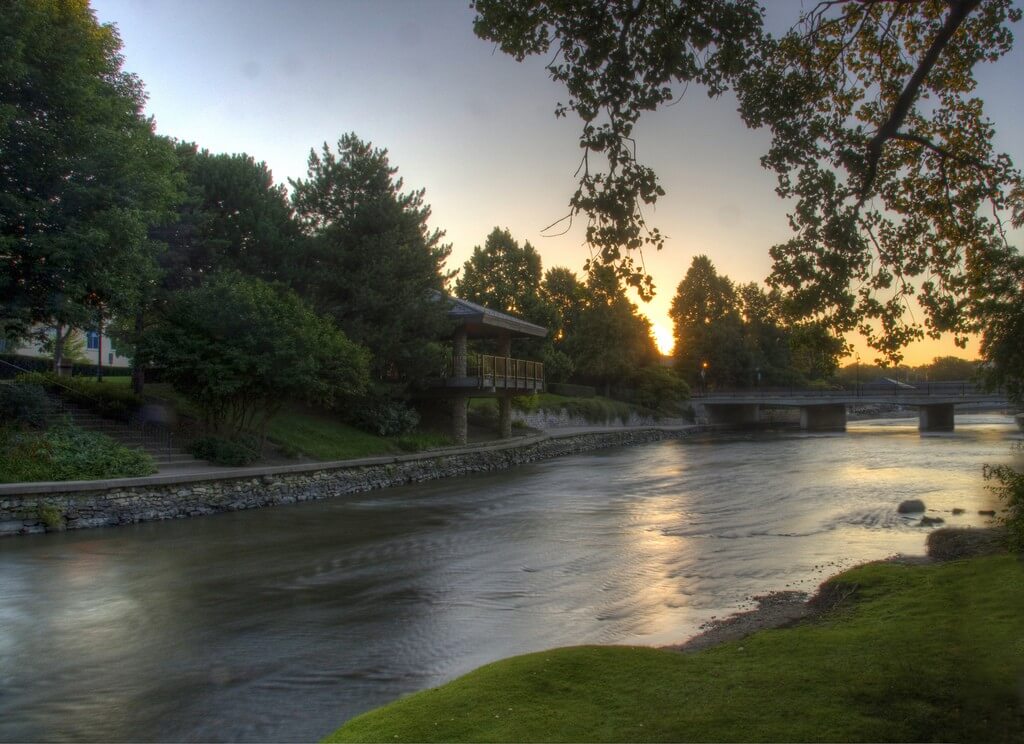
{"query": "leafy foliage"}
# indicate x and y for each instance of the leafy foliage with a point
(1008, 484)
(240, 348)
(899, 199)
(371, 260)
(382, 416)
(742, 336)
(24, 404)
(617, 59)
(83, 174)
(660, 389)
(67, 453)
(221, 451)
(888, 157)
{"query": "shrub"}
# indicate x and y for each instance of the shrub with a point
(222, 451)
(1009, 486)
(384, 417)
(660, 389)
(67, 453)
(24, 404)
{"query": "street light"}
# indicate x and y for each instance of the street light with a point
(703, 376)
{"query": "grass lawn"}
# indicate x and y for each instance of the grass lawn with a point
(313, 434)
(915, 653)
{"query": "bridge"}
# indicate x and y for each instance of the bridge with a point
(825, 410)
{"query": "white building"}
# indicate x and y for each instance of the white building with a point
(93, 344)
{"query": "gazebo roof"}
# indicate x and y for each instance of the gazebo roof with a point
(482, 322)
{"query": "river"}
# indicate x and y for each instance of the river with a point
(279, 624)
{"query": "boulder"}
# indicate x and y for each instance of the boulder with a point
(911, 506)
(930, 521)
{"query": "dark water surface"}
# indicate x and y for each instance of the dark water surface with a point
(282, 623)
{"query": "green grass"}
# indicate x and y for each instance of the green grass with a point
(323, 437)
(918, 653)
(320, 436)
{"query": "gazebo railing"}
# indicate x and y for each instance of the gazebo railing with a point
(509, 372)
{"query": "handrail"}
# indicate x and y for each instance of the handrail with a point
(155, 432)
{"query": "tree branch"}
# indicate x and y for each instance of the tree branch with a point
(957, 14)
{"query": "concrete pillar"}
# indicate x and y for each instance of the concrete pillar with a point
(459, 353)
(737, 415)
(823, 417)
(504, 416)
(935, 417)
(460, 423)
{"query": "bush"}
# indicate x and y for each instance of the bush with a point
(1010, 488)
(67, 453)
(660, 389)
(24, 404)
(12, 365)
(384, 417)
(222, 451)
(111, 401)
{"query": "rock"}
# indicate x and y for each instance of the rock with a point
(958, 510)
(987, 512)
(911, 506)
(929, 521)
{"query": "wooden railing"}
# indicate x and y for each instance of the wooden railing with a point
(510, 373)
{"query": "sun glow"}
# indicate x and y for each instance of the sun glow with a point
(663, 338)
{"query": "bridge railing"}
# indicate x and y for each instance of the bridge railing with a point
(958, 388)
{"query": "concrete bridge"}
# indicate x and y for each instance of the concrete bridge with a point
(825, 410)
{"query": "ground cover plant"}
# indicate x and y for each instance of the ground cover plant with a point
(910, 653)
(67, 452)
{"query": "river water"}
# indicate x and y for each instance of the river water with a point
(279, 624)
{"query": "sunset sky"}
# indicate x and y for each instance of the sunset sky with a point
(468, 124)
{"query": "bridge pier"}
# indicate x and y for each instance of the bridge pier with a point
(738, 415)
(831, 417)
(935, 417)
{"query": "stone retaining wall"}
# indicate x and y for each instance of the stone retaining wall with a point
(31, 508)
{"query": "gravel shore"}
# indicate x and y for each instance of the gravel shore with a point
(780, 609)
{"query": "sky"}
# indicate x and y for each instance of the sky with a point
(275, 78)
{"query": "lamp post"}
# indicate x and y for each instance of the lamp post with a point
(703, 377)
(856, 374)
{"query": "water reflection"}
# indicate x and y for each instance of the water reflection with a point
(279, 624)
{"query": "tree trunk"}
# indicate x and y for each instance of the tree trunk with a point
(58, 348)
(99, 350)
(138, 372)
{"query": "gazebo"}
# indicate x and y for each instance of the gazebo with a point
(495, 375)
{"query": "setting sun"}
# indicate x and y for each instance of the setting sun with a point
(663, 338)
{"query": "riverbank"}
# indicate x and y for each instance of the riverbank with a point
(907, 650)
(28, 508)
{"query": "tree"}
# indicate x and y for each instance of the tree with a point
(373, 260)
(505, 276)
(610, 341)
(899, 198)
(234, 218)
(82, 176)
(241, 348)
(708, 329)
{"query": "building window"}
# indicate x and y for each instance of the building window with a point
(110, 358)
(92, 340)
(3, 345)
